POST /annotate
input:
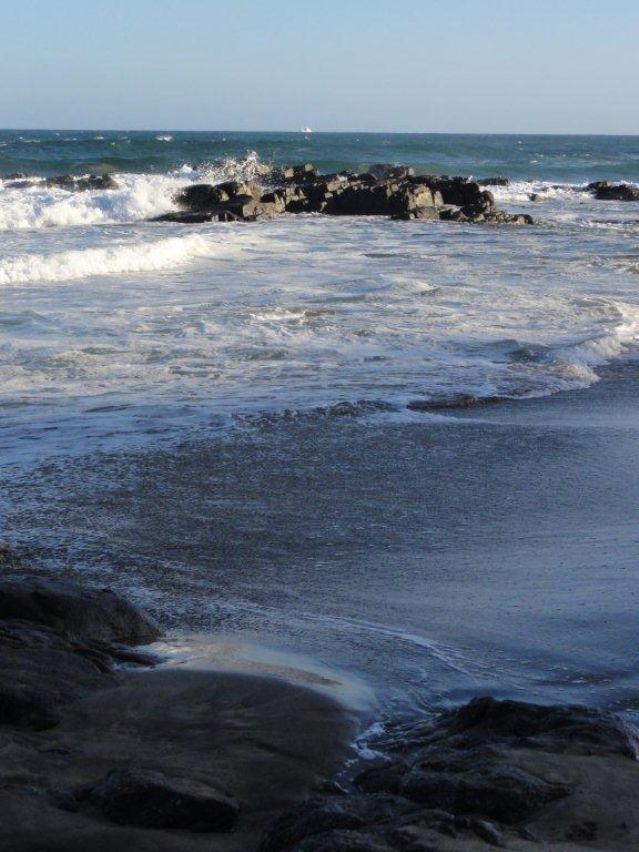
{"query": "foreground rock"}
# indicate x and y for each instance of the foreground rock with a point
(185, 760)
(385, 190)
(101, 757)
(493, 773)
(59, 642)
(153, 800)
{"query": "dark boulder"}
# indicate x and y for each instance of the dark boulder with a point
(385, 171)
(95, 182)
(502, 792)
(42, 670)
(617, 192)
(579, 730)
(61, 182)
(187, 218)
(201, 197)
(84, 614)
(298, 174)
(151, 799)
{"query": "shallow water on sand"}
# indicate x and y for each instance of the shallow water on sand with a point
(489, 551)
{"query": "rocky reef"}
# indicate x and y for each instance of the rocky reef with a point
(392, 191)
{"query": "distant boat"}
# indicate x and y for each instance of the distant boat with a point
(306, 130)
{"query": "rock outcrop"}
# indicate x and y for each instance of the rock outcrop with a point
(605, 191)
(75, 184)
(385, 190)
(59, 642)
(492, 773)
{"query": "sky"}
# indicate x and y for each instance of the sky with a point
(485, 66)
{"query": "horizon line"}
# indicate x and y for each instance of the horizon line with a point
(316, 132)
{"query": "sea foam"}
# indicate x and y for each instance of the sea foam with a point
(114, 260)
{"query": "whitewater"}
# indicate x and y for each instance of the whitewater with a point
(109, 320)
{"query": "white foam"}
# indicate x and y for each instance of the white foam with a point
(140, 196)
(70, 265)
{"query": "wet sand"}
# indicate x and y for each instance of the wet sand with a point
(472, 551)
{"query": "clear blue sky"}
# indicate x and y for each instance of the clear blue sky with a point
(407, 65)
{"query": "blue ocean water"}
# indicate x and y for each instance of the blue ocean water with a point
(561, 158)
(115, 327)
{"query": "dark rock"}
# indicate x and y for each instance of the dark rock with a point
(72, 184)
(591, 187)
(93, 182)
(535, 196)
(298, 174)
(487, 832)
(153, 800)
(617, 192)
(501, 792)
(16, 176)
(84, 614)
(19, 184)
(385, 171)
(575, 729)
(318, 817)
(201, 197)
(187, 218)
(500, 180)
(61, 182)
(461, 401)
(41, 670)
(345, 841)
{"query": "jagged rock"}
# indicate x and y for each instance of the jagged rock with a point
(150, 799)
(298, 174)
(502, 792)
(616, 192)
(570, 728)
(103, 182)
(479, 775)
(72, 184)
(201, 197)
(385, 171)
(386, 190)
(61, 182)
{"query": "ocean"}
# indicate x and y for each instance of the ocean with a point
(185, 407)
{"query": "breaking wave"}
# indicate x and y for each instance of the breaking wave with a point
(140, 196)
(71, 265)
